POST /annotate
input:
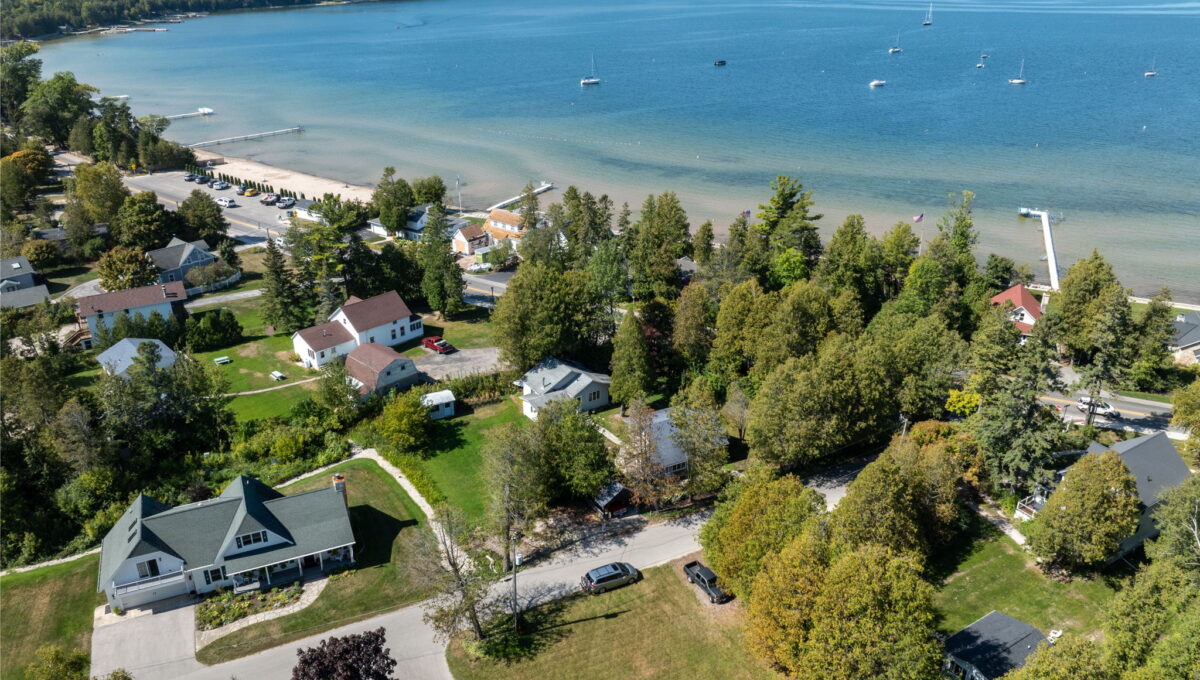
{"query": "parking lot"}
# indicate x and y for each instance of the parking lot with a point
(250, 221)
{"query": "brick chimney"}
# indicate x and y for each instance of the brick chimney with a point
(339, 483)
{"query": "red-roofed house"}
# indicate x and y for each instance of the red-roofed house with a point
(166, 299)
(374, 368)
(1026, 308)
(383, 319)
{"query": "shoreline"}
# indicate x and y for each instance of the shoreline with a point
(312, 186)
(877, 219)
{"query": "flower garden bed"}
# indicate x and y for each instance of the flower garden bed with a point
(225, 607)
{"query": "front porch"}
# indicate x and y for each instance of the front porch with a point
(291, 570)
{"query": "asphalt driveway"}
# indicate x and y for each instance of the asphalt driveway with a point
(459, 363)
(161, 644)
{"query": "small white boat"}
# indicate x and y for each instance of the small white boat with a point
(592, 79)
(979, 65)
(1151, 73)
(1020, 79)
(928, 16)
(983, 56)
(877, 83)
(896, 49)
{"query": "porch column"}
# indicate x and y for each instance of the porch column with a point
(268, 572)
(321, 560)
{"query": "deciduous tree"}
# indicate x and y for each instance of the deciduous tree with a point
(459, 587)
(579, 458)
(1178, 521)
(546, 313)
(125, 267)
(699, 434)
(1088, 515)
(99, 190)
(202, 218)
(42, 255)
(142, 222)
(783, 597)
(54, 105)
(874, 618)
(641, 469)
(763, 518)
(1073, 657)
(359, 656)
(393, 198)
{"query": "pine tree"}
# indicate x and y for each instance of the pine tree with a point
(281, 303)
(631, 371)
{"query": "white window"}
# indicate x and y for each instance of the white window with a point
(416, 325)
(310, 354)
(251, 538)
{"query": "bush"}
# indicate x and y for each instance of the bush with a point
(224, 607)
(41, 254)
(213, 330)
(209, 274)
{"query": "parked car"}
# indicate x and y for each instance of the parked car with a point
(226, 202)
(608, 577)
(268, 199)
(1100, 408)
(480, 267)
(706, 580)
(190, 177)
(241, 189)
(437, 344)
(220, 186)
(250, 191)
(285, 203)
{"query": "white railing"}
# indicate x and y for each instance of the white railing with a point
(150, 582)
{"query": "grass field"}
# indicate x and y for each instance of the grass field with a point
(998, 575)
(456, 465)
(252, 265)
(657, 628)
(387, 525)
(51, 605)
(1164, 398)
(268, 404)
(257, 355)
(470, 330)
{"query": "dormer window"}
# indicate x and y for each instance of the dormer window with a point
(250, 539)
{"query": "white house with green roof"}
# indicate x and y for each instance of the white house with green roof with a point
(248, 537)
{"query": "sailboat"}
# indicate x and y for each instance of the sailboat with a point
(1020, 79)
(1151, 73)
(877, 83)
(928, 16)
(896, 49)
(592, 79)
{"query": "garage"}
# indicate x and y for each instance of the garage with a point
(152, 593)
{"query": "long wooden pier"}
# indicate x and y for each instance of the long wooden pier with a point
(243, 138)
(546, 186)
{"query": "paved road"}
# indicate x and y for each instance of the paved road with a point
(250, 222)
(412, 643)
(481, 290)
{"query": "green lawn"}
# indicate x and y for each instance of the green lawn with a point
(51, 605)
(1164, 398)
(267, 404)
(657, 628)
(388, 526)
(66, 277)
(998, 575)
(252, 266)
(257, 355)
(456, 465)
(470, 330)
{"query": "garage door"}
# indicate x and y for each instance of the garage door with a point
(142, 597)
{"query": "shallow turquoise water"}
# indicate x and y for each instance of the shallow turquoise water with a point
(489, 91)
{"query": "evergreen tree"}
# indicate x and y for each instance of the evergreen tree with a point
(281, 303)
(393, 198)
(702, 243)
(528, 208)
(632, 377)
(695, 318)
(659, 239)
(442, 278)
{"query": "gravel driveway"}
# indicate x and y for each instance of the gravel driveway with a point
(459, 363)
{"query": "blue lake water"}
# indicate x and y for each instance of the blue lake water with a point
(489, 91)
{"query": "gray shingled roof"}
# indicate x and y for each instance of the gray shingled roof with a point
(1187, 330)
(995, 644)
(173, 255)
(119, 357)
(1155, 464)
(197, 532)
(555, 379)
(26, 297)
(14, 266)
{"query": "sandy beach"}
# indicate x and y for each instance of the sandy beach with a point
(302, 183)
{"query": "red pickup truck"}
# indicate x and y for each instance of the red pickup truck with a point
(437, 344)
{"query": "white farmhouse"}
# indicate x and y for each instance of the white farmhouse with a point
(383, 319)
